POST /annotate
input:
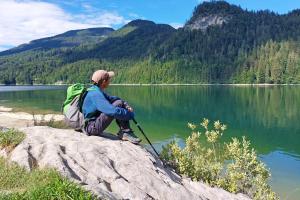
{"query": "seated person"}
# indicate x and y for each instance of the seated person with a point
(99, 109)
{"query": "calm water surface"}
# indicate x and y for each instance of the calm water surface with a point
(268, 116)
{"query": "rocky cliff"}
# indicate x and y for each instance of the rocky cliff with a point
(203, 23)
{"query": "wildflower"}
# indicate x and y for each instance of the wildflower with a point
(205, 123)
(217, 125)
(191, 126)
(223, 127)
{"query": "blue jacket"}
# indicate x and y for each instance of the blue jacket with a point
(97, 102)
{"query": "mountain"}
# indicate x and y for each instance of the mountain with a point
(67, 39)
(32, 64)
(221, 53)
(212, 14)
(133, 41)
(220, 43)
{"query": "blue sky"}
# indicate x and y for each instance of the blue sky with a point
(168, 11)
(25, 20)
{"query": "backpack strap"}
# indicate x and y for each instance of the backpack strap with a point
(82, 97)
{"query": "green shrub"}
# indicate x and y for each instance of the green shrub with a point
(11, 138)
(18, 184)
(233, 166)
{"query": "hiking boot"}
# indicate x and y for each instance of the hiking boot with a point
(128, 135)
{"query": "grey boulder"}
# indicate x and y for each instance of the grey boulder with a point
(108, 167)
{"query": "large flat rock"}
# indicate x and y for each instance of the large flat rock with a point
(109, 167)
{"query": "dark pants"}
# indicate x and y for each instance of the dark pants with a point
(97, 126)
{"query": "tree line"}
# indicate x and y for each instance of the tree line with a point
(250, 47)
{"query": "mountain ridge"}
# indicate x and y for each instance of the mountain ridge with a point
(60, 40)
(221, 50)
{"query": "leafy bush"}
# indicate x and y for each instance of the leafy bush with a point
(18, 184)
(233, 166)
(11, 138)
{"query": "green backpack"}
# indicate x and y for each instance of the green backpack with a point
(72, 106)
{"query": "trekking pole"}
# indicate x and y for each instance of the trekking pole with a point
(139, 127)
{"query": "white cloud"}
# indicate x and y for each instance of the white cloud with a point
(134, 15)
(176, 25)
(87, 6)
(103, 19)
(23, 21)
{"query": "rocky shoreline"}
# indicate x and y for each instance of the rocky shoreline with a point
(108, 167)
(11, 119)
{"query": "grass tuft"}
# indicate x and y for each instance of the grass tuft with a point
(10, 139)
(16, 183)
(51, 123)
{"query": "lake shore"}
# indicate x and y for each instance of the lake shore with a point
(251, 111)
(171, 84)
(11, 119)
(107, 166)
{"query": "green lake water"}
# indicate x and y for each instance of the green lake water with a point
(268, 116)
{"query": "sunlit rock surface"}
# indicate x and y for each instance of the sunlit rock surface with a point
(108, 167)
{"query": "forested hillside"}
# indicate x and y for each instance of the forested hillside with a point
(68, 39)
(221, 43)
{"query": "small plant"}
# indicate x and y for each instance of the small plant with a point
(233, 166)
(19, 184)
(246, 173)
(10, 139)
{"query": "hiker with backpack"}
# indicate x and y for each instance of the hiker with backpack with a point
(100, 109)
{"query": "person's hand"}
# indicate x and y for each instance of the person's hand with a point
(130, 109)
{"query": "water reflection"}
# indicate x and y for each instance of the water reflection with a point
(268, 116)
